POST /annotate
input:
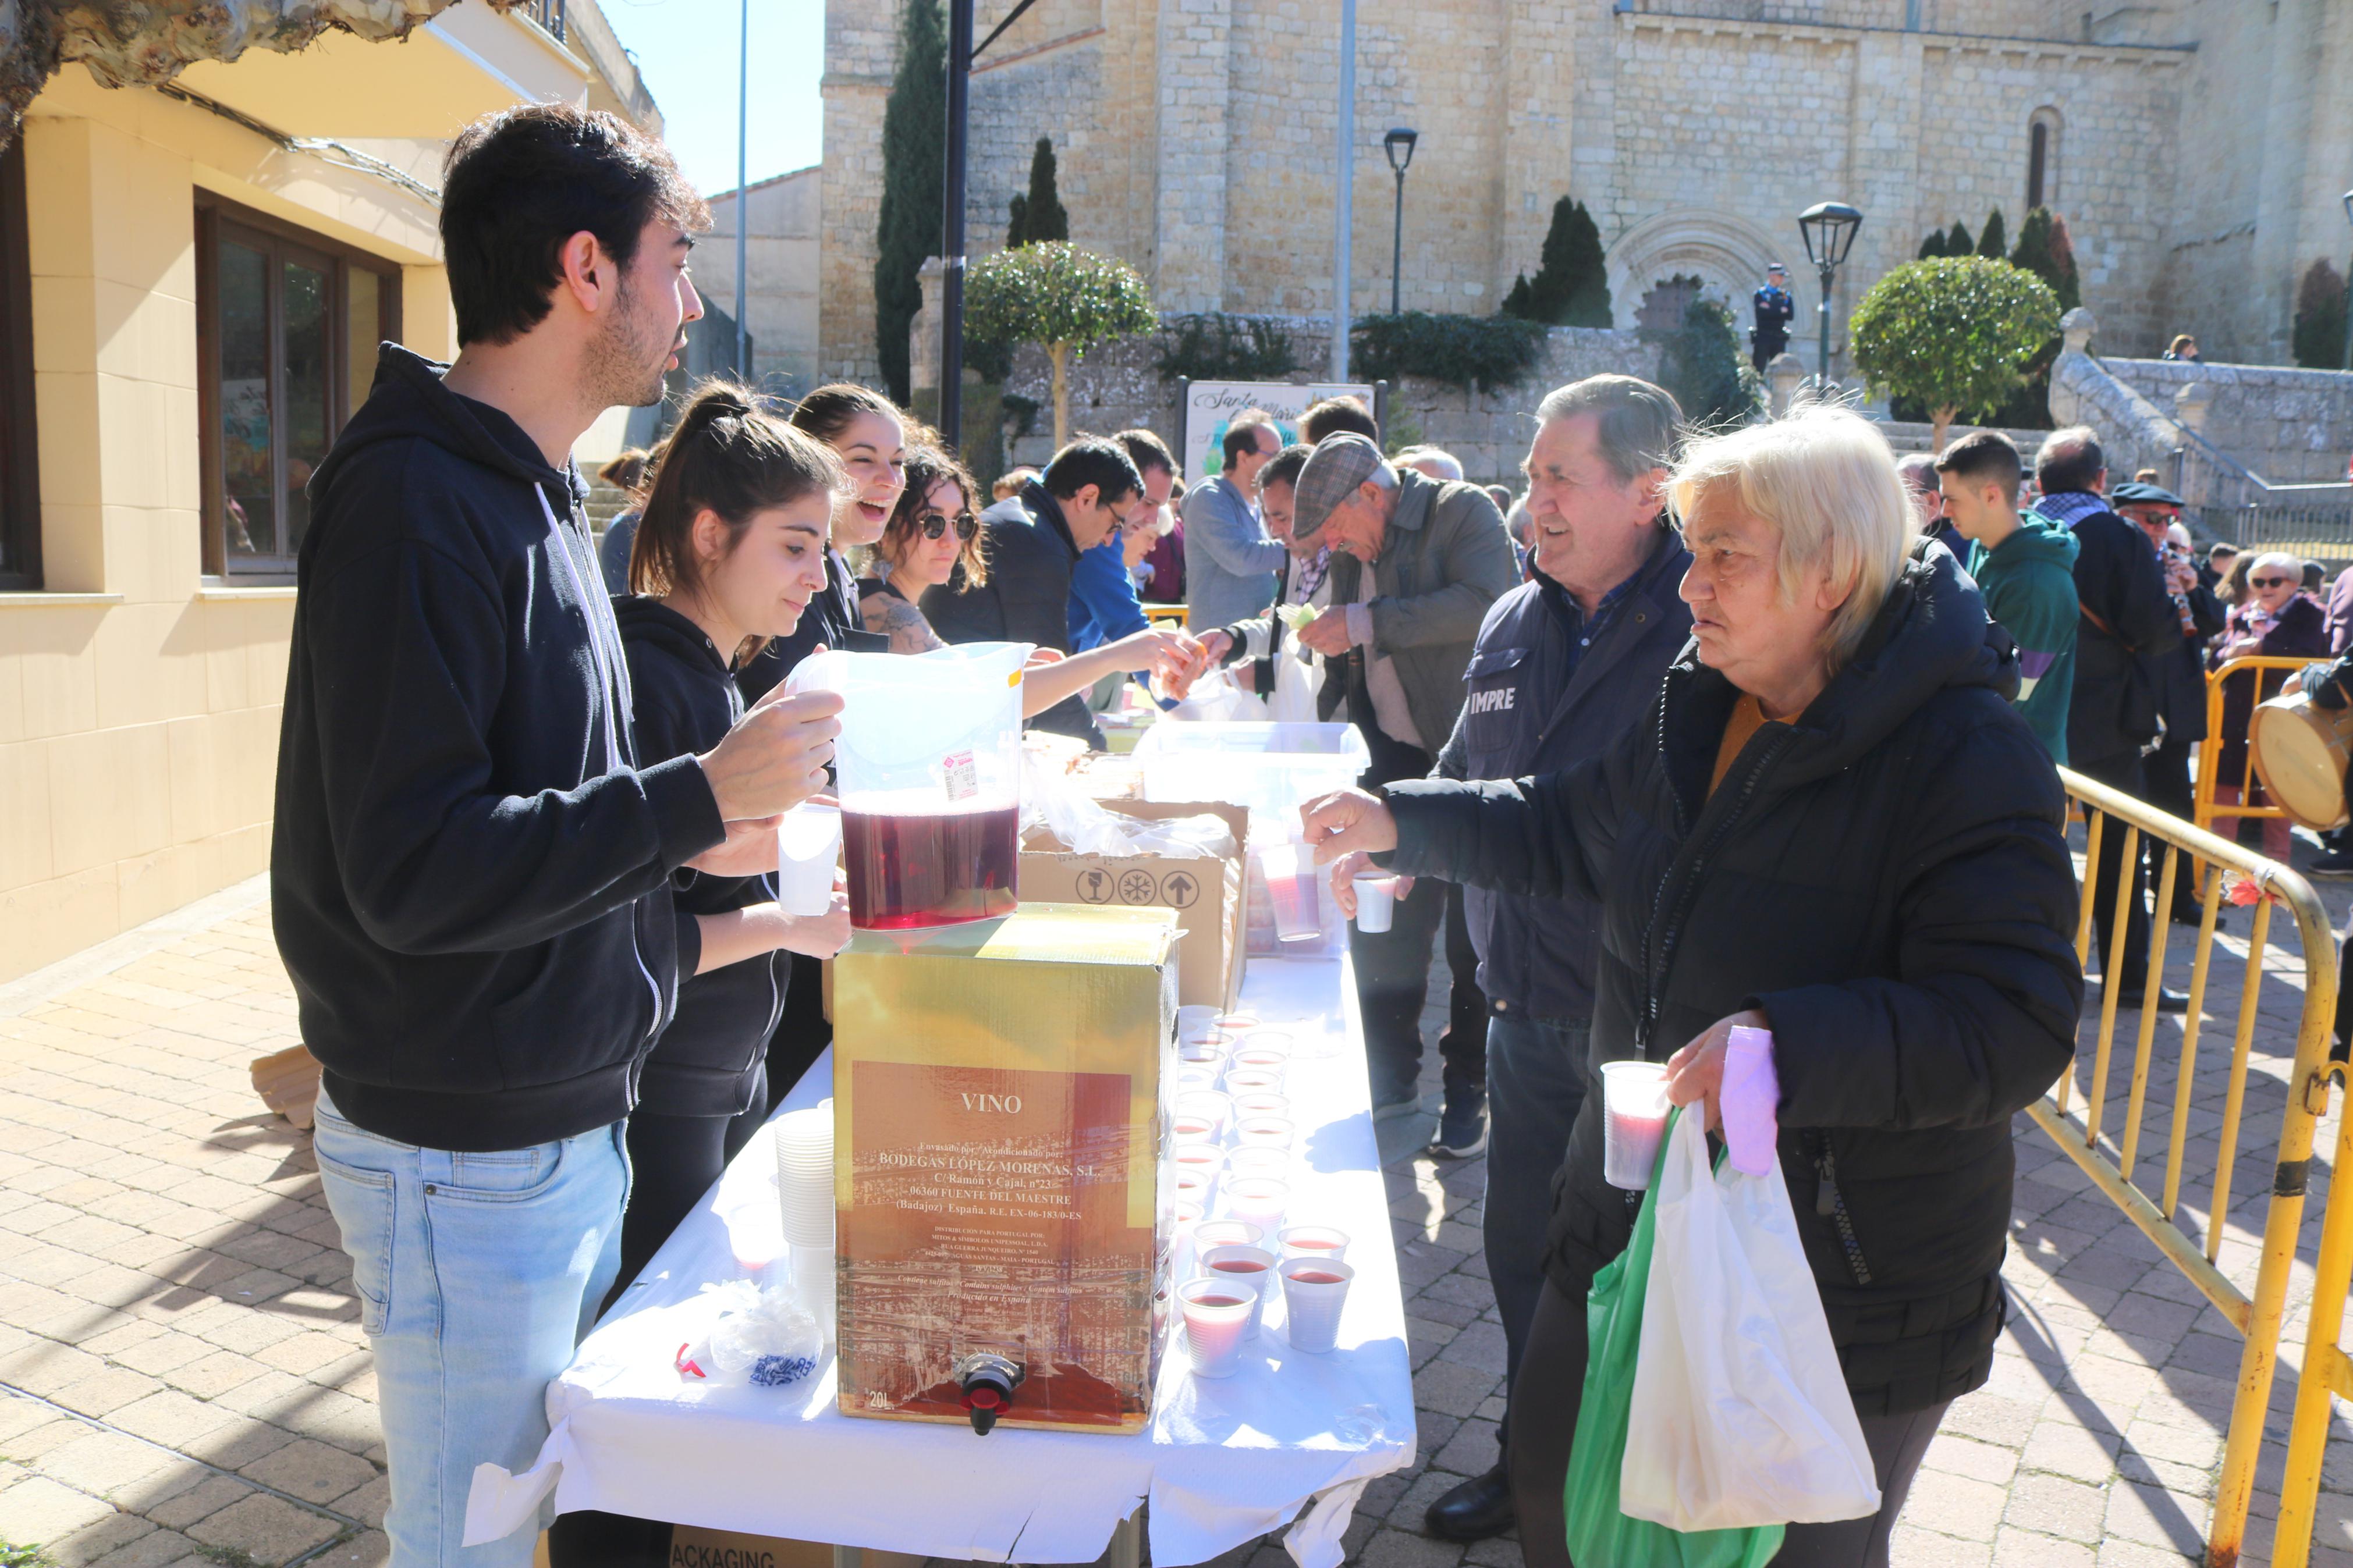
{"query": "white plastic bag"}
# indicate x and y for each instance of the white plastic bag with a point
(1740, 1416)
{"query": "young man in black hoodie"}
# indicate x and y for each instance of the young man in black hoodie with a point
(470, 874)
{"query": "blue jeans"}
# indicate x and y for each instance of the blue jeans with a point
(477, 1275)
(1535, 1084)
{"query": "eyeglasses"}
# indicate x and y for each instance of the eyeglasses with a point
(935, 524)
(2273, 582)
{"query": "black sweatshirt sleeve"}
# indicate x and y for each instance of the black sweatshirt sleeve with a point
(410, 654)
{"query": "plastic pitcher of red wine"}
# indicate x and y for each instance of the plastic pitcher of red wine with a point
(929, 775)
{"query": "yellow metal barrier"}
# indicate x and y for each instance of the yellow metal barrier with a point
(1166, 617)
(2206, 808)
(2256, 1317)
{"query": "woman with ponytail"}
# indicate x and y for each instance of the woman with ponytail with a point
(728, 555)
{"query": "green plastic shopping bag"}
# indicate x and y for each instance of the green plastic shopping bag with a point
(1599, 1536)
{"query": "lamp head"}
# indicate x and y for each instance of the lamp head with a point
(1829, 230)
(1398, 145)
(2348, 207)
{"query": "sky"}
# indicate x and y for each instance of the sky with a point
(685, 50)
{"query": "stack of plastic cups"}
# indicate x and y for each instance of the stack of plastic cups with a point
(805, 1194)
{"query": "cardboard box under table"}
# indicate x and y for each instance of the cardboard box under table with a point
(1207, 892)
(997, 1157)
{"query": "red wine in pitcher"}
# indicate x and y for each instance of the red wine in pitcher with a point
(929, 868)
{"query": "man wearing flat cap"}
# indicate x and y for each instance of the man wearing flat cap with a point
(2178, 673)
(1415, 564)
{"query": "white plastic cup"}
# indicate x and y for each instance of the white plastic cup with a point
(1633, 1120)
(1290, 883)
(1262, 1200)
(1266, 1133)
(1276, 1041)
(1253, 1266)
(1375, 901)
(809, 841)
(1254, 1080)
(1314, 1291)
(1201, 1053)
(1209, 1104)
(1260, 1102)
(1262, 1059)
(1194, 1022)
(1327, 1241)
(1211, 1233)
(1260, 1161)
(1218, 1315)
(1206, 1158)
(1197, 1077)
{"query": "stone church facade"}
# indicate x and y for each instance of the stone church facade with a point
(2198, 149)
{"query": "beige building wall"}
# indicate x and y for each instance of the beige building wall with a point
(139, 698)
(781, 247)
(2198, 145)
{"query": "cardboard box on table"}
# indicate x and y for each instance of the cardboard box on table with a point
(1205, 891)
(997, 1144)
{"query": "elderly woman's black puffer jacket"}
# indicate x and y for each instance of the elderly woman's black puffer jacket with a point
(1886, 879)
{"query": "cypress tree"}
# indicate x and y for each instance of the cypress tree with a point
(1516, 303)
(2044, 250)
(1957, 241)
(1934, 245)
(2318, 342)
(914, 130)
(1571, 288)
(1039, 216)
(1993, 240)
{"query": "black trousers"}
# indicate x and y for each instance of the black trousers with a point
(1552, 1380)
(2122, 773)
(1393, 966)
(673, 1160)
(802, 1032)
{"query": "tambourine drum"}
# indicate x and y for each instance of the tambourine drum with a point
(2301, 751)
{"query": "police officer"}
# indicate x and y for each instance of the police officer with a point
(1775, 309)
(1564, 664)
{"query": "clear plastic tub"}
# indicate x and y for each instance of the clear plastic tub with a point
(1270, 769)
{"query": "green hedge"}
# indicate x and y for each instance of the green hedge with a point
(1482, 351)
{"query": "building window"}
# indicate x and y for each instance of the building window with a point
(2043, 159)
(288, 323)
(20, 485)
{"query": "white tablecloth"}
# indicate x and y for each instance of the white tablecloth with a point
(1290, 1436)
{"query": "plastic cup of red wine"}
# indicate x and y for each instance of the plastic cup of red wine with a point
(1251, 1265)
(1314, 1291)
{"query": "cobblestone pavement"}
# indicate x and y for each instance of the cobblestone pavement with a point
(181, 1374)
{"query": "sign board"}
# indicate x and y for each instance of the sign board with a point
(1210, 404)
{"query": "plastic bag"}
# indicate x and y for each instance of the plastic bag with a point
(1740, 1414)
(766, 1338)
(1050, 801)
(1214, 698)
(1599, 1532)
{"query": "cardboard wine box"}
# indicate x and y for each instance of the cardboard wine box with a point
(997, 1132)
(1207, 892)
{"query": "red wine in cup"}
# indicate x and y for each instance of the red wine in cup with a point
(935, 868)
(1313, 1276)
(1219, 1301)
(1316, 1244)
(1239, 1266)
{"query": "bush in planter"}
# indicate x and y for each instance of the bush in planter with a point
(1955, 334)
(1482, 351)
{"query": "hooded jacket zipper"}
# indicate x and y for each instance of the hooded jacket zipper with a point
(1659, 943)
(615, 689)
(1830, 1203)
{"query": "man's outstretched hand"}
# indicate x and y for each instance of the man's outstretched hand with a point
(1347, 820)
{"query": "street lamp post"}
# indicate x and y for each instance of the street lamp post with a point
(1398, 145)
(1829, 230)
(2348, 292)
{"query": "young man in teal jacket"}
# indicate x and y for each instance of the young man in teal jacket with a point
(2024, 566)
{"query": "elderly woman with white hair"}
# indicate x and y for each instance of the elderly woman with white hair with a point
(2275, 619)
(1836, 828)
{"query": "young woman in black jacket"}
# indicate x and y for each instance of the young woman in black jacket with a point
(1834, 826)
(729, 554)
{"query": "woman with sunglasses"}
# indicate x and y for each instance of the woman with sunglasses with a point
(933, 539)
(2274, 618)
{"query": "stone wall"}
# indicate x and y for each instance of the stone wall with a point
(782, 251)
(1118, 385)
(2290, 427)
(2187, 141)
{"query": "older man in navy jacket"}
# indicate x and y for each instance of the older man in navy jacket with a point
(1564, 664)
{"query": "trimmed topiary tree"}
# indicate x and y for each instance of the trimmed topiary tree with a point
(1056, 295)
(1039, 216)
(1993, 239)
(1933, 246)
(1954, 334)
(1957, 241)
(2045, 250)
(1571, 288)
(914, 131)
(2318, 342)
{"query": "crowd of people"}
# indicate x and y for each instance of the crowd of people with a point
(1755, 727)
